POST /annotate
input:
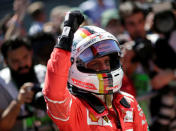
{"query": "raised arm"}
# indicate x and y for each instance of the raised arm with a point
(57, 96)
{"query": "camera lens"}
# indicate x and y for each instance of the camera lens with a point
(164, 22)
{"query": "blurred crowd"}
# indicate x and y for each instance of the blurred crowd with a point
(146, 31)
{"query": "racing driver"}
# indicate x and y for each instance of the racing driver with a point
(83, 80)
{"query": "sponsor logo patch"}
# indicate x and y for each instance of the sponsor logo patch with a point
(129, 116)
(92, 120)
(84, 84)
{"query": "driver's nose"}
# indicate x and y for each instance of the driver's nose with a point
(105, 66)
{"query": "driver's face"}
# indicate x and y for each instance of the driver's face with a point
(100, 64)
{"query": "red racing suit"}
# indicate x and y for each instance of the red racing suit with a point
(71, 114)
(127, 86)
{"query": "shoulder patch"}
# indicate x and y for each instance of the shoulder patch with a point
(124, 103)
(129, 98)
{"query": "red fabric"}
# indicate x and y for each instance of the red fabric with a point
(127, 86)
(70, 114)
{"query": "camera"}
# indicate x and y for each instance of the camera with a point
(143, 48)
(38, 98)
(144, 51)
(164, 18)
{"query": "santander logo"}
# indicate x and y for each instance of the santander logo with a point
(83, 84)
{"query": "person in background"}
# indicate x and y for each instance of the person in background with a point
(37, 13)
(133, 19)
(138, 58)
(23, 106)
(11, 25)
(83, 81)
(14, 26)
(93, 9)
(126, 44)
(164, 75)
(56, 19)
(42, 44)
(110, 21)
(3, 29)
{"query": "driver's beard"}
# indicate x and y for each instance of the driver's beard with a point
(20, 79)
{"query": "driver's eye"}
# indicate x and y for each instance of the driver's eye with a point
(95, 66)
(107, 63)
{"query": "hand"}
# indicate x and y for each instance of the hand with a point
(73, 20)
(71, 23)
(19, 7)
(25, 94)
(162, 79)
